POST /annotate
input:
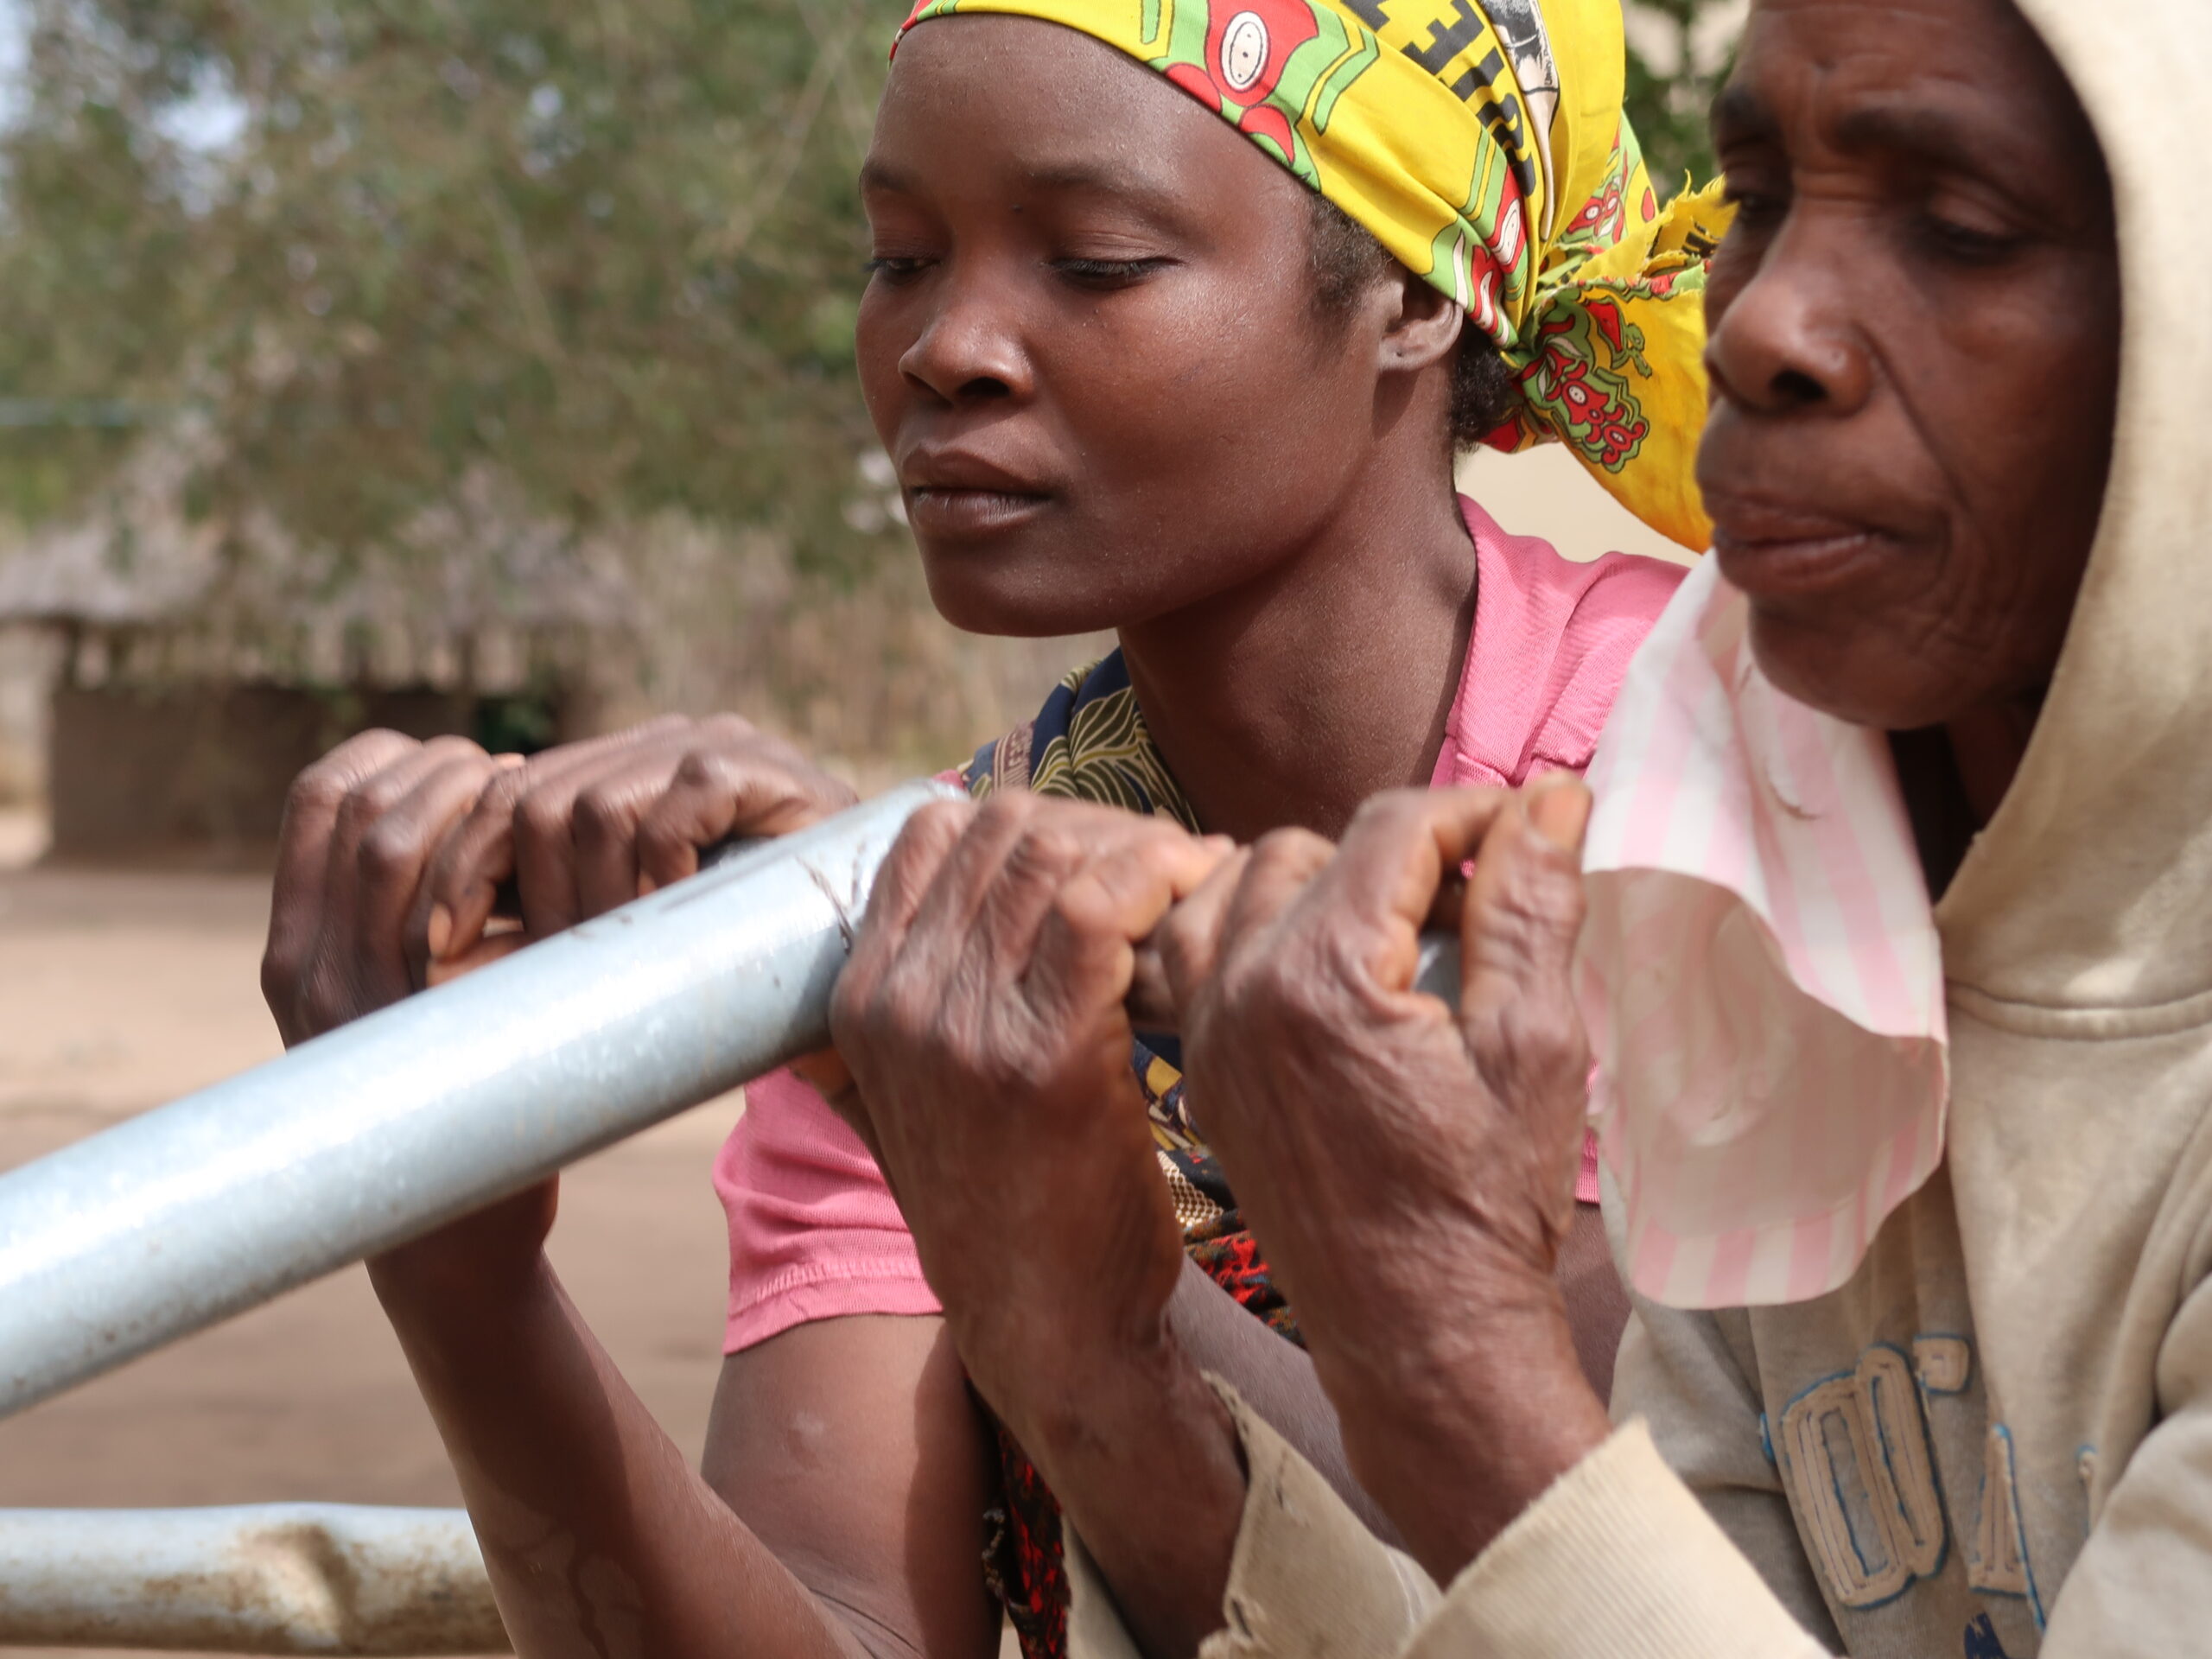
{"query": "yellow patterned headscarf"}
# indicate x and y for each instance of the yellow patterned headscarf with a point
(1482, 142)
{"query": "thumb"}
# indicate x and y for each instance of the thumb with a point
(1524, 902)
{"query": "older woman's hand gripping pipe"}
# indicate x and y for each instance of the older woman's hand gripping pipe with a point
(983, 1018)
(1409, 1169)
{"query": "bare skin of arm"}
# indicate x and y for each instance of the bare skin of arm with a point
(848, 1521)
(847, 1468)
(599, 1539)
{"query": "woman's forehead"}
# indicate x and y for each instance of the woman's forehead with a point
(1958, 85)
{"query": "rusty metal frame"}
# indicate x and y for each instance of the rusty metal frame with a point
(278, 1578)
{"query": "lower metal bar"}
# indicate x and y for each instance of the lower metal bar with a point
(277, 1578)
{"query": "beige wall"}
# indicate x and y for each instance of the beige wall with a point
(29, 658)
(199, 773)
(1545, 492)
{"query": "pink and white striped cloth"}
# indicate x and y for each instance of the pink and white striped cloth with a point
(1760, 973)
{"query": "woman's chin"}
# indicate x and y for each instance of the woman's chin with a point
(1856, 675)
(991, 598)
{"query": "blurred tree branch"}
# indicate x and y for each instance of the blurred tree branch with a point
(603, 249)
(606, 252)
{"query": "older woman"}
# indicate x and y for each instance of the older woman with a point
(1924, 1361)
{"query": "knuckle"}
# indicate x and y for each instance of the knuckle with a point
(703, 769)
(945, 818)
(280, 977)
(600, 813)
(1007, 810)
(1540, 907)
(390, 847)
(737, 731)
(1392, 808)
(321, 789)
(1290, 845)
(542, 815)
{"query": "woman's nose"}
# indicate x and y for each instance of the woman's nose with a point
(1786, 340)
(969, 349)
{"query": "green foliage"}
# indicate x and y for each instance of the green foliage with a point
(1679, 52)
(606, 251)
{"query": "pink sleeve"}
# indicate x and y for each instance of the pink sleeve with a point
(814, 1233)
(1552, 640)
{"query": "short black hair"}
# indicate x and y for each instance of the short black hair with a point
(1346, 260)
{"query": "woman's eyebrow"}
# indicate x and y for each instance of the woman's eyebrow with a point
(1924, 135)
(880, 177)
(1145, 190)
(1740, 116)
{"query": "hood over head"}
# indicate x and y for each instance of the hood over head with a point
(2092, 885)
(1768, 989)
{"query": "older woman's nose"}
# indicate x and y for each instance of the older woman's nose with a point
(1786, 341)
(969, 350)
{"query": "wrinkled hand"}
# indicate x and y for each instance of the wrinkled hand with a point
(360, 828)
(982, 1017)
(1409, 1171)
(393, 853)
(585, 828)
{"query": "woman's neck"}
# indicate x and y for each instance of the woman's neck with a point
(1291, 699)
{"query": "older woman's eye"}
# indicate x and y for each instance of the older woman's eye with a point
(1109, 273)
(1974, 241)
(1756, 209)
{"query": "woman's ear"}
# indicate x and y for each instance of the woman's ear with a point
(1424, 326)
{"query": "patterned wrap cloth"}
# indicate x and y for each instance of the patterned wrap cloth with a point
(1088, 743)
(1484, 146)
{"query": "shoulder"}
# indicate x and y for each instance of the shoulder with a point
(1615, 596)
(1552, 642)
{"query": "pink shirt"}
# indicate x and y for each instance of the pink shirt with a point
(813, 1231)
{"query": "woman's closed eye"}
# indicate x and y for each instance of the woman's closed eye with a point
(896, 267)
(1965, 233)
(1110, 273)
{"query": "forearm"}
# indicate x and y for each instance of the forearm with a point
(1456, 1427)
(599, 1538)
(1276, 1379)
(1143, 1458)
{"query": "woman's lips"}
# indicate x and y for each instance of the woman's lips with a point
(1775, 553)
(948, 510)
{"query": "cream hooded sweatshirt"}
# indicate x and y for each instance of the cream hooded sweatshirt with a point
(1996, 1439)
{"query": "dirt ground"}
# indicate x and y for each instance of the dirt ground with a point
(120, 991)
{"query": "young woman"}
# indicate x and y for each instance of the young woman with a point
(1180, 313)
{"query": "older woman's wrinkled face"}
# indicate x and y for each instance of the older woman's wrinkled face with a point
(1915, 339)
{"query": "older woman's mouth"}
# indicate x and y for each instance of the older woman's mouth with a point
(1767, 552)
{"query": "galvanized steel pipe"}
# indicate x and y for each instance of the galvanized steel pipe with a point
(377, 1132)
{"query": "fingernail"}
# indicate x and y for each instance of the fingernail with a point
(646, 885)
(1561, 813)
(439, 931)
(509, 762)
